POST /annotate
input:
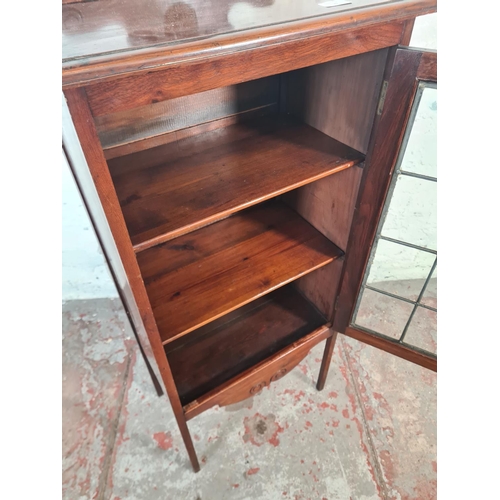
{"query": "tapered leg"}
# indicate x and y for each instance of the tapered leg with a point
(175, 401)
(188, 442)
(325, 363)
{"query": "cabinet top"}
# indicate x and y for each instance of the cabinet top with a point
(105, 38)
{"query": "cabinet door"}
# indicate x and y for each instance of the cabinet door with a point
(388, 294)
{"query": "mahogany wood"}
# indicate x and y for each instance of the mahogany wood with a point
(253, 380)
(315, 34)
(326, 361)
(328, 204)
(204, 74)
(321, 286)
(179, 187)
(87, 134)
(407, 32)
(203, 275)
(222, 350)
(380, 161)
(340, 97)
(427, 69)
(392, 346)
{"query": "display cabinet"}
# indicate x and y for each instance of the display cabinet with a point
(235, 168)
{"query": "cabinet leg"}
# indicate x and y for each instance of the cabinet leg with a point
(325, 363)
(188, 442)
(173, 395)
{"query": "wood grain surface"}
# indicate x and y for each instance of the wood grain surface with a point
(212, 355)
(182, 186)
(201, 276)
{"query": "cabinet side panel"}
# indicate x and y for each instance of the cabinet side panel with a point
(98, 170)
(80, 170)
(339, 98)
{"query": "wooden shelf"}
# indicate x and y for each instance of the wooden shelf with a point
(173, 189)
(203, 275)
(209, 357)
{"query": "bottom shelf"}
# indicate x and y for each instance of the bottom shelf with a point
(209, 357)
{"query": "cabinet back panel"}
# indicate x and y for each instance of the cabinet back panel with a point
(320, 287)
(340, 97)
(145, 122)
(328, 204)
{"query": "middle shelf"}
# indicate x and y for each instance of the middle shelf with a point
(170, 190)
(203, 275)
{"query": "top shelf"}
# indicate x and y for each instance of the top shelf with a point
(173, 189)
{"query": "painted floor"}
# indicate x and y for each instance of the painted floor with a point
(370, 434)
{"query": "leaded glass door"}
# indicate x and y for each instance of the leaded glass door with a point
(388, 295)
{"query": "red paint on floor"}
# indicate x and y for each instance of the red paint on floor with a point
(425, 490)
(260, 430)
(352, 400)
(163, 440)
(120, 436)
(409, 480)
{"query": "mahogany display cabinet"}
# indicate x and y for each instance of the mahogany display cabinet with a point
(236, 170)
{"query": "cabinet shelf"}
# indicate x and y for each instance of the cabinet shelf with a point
(173, 189)
(201, 276)
(208, 358)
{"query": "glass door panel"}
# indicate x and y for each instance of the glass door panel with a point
(398, 296)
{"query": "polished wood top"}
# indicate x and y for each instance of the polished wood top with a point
(109, 37)
(103, 26)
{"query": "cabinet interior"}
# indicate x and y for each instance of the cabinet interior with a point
(239, 202)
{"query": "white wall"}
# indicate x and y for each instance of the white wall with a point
(84, 269)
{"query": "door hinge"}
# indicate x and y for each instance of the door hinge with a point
(381, 101)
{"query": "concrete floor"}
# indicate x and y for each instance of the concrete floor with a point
(370, 434)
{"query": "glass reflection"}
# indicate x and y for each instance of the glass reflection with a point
(405, 249)
(422, 331)
(382, 314)
(412, 213)
(399, 269)
(420, 155)
(429, 297)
